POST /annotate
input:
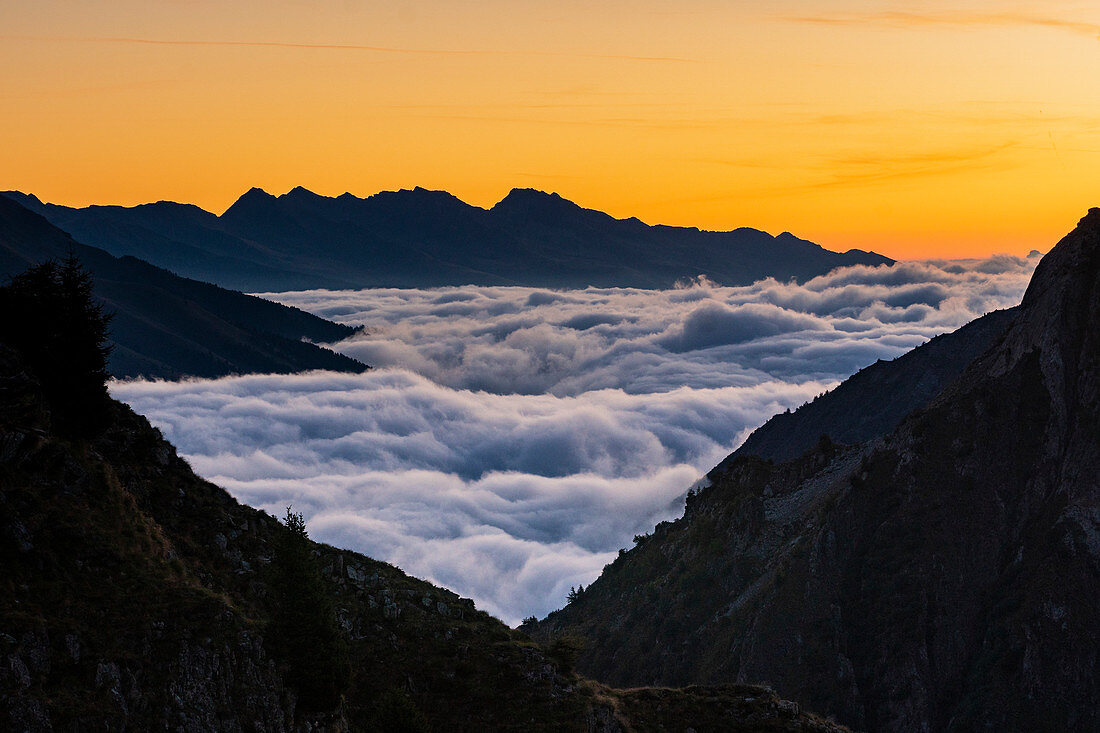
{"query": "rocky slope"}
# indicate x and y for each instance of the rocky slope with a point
(943, 577)
(423, 238)
(872, 402)
(167, 326)
(136, 596)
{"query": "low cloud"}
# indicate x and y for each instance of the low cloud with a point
(535, 341)
(509, 499)
(511, 440)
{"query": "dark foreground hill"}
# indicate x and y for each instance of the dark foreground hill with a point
(944, 577)
(168, 326)
(136, 596)
(423, 238)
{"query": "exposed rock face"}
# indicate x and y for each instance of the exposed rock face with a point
(945, 577)
(136, 596)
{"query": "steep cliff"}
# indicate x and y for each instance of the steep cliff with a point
(944, 577)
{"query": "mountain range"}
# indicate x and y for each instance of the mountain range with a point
(421, 238)
(169, 326)
(919, 550)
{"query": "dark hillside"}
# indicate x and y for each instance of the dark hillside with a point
(136, 596)
(168, 326)
(872, 402)
(941, 578)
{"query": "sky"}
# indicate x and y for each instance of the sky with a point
(936, 129)
(511, 440)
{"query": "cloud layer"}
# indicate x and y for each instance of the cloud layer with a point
(513, 439)
(567, 343)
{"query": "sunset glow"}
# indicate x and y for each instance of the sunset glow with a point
(949, 130)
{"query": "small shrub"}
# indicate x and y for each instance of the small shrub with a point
(564, 652)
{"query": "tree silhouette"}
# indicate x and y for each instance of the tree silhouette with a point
(305, 633)
(50, 315)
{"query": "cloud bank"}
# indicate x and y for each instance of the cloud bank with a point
(511, 440)
(567, 343)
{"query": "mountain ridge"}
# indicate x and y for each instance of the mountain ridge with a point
(897, 388)
(166, 326)
(422, 238)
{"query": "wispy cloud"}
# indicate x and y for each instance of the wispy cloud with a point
(867, 169)
(905, 19)
(860, 169)
(339, 47)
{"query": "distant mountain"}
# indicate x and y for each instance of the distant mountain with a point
(136, 596)
(423, 238)
(943, 576)
(168, 326)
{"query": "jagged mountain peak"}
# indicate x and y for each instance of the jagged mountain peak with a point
(1073, 264)
(28, 200)
(255, 194)
(1058, 312)
(301, 192)
(532, 199)
(250, 199)
(1057, 322)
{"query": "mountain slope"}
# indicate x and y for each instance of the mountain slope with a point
(168, 326)
(943, 577)
(423, 238)
(872, 402)
(137, 596)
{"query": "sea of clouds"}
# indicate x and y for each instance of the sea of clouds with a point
(510, 440)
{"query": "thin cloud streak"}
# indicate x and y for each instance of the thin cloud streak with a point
(903, 19)
(340, 47)
(861, 170)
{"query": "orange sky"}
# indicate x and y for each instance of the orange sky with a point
(952, 130)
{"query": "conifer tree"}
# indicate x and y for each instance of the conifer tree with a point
(305, 633)
(49, 314)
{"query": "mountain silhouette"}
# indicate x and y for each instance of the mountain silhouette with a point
(168, 326)
(941, 575)
(422, 238)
